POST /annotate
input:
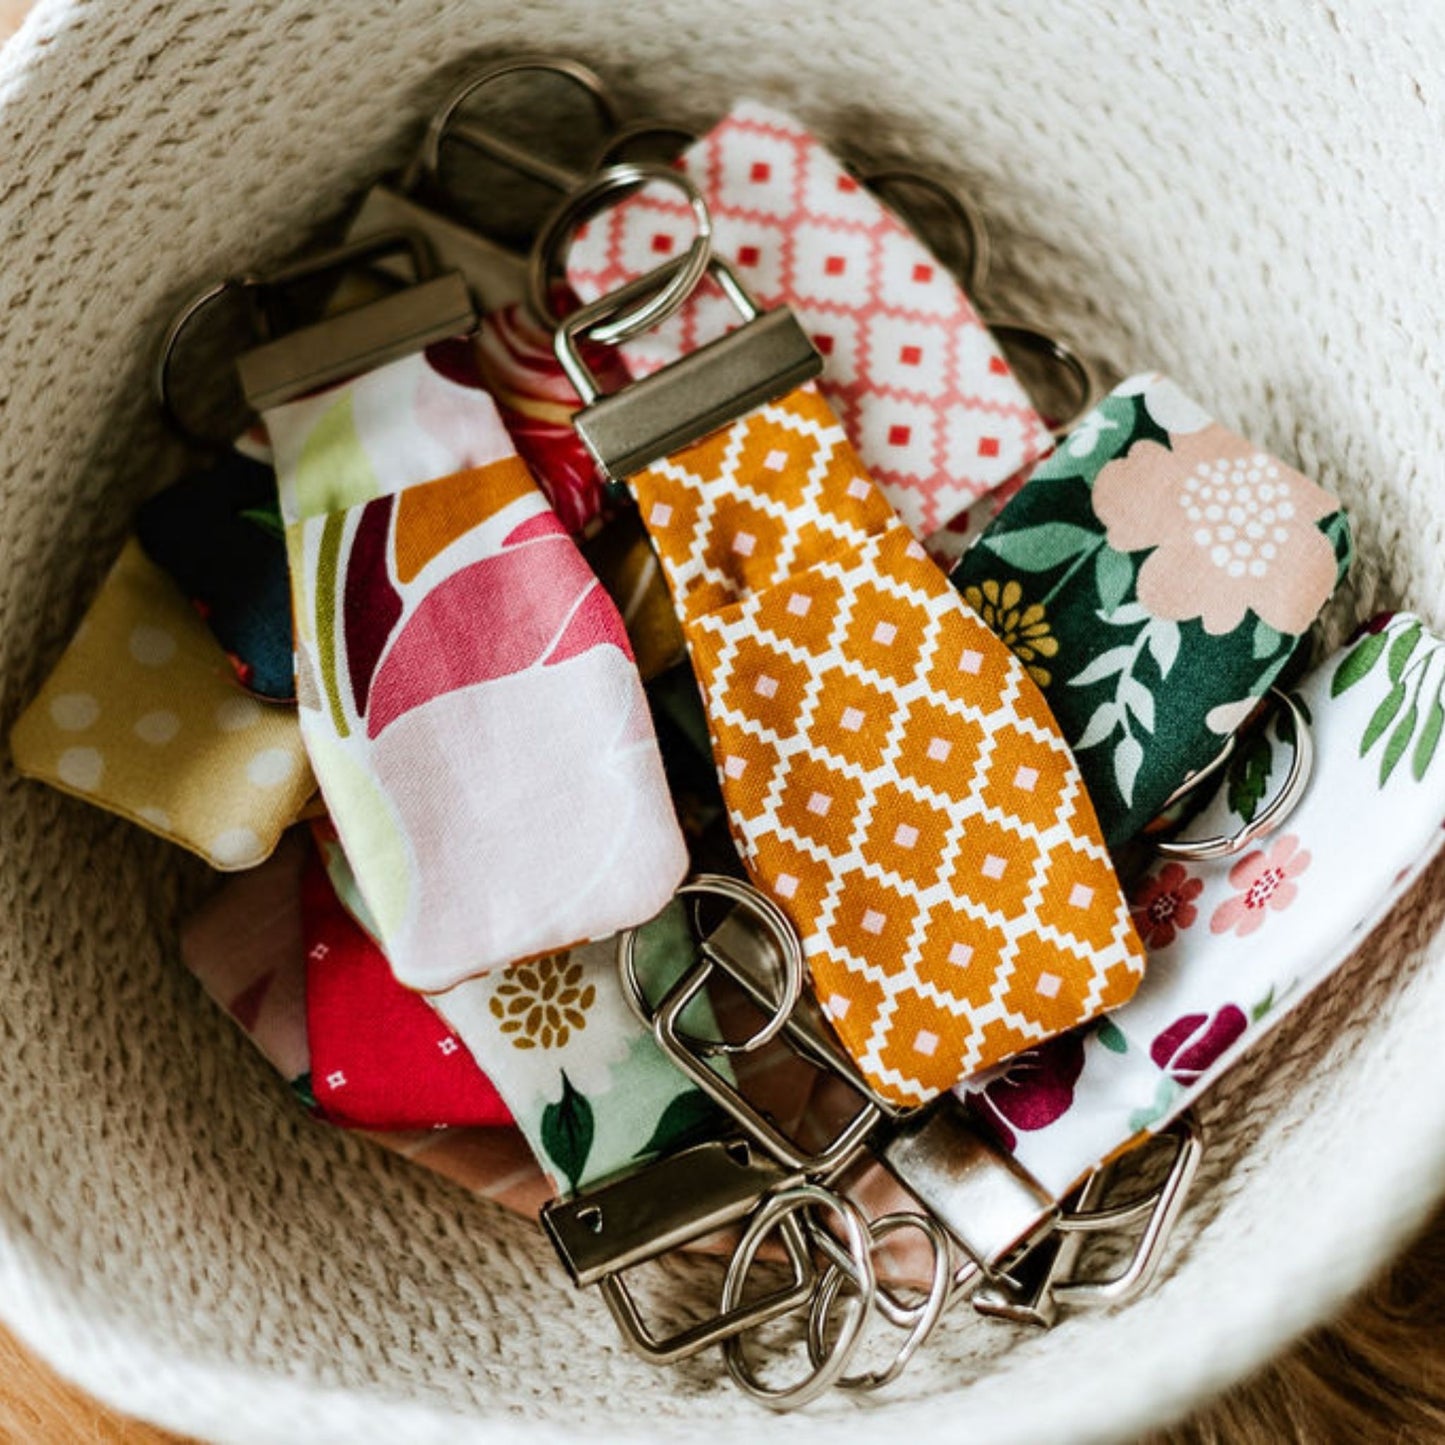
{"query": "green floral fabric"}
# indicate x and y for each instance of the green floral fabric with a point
(1155, 575)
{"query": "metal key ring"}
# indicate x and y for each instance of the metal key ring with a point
(443, 124)
(966, 216)
(1274, 812)
(770, 916)
(177, 328)
(919, 1320)
(774, 1210)
(676, 281)
(634, 130)
(1085, 378)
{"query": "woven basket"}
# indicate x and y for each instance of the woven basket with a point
(1243, 195)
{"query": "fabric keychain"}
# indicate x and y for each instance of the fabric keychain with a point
(893, 779)
(218, 533)
(1236, 943)
(921, 387)
(536, 402)
(245, 949)
(1155, 576)
(380, 1057)
(467, 692)
(580, 1075)
(142, 716)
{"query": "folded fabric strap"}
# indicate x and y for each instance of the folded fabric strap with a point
(468, 696)
(143, 717)
(218, 533)
(536, 401)
(1236, 944)
(245, 949)
(622, 557)
(917, 380)
(381, 1058)
(582, 1077)
(1155, 576)
(893, 778)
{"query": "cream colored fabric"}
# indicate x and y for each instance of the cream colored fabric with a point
(1242, 195)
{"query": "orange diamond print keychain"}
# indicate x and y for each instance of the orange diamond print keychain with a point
(893, 777)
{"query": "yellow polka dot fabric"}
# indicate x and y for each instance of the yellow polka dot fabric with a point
(142, 716)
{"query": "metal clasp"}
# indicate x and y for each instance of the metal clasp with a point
(990, 1204)
(1046, 1280)
(680, 1199)
(492, 259)
(756, 950)
(362, 338)
(1275, 811)
(703, 391)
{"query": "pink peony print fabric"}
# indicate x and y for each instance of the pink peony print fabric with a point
(1235, 944)
(1155, 576)
(921, 387)
(536, 400)
(467, 692)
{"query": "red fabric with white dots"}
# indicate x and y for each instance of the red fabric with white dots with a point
(917, 380)
(381, 1056)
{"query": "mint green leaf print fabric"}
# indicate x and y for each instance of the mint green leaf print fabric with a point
(1155, 575)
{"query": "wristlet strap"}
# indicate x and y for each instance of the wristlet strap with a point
(468, 696)
(893, 778)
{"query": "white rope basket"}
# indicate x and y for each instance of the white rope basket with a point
(1242, 195)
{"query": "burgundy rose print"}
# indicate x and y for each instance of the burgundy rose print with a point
(1190, 1044)
(1037, 1089)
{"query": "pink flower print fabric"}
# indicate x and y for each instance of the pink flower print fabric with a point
(1232, 529)
(1168, 570)
(918, 382)
(468, 695)
(520, 368)
(1264, 880)
(1235, 944)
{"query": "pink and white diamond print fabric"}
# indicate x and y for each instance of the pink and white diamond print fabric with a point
(920, 385)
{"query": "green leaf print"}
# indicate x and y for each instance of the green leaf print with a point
(1401, 649)
(1112, 1037)
(1385, 714)
(1429, 736)
(1399, 741)
(567, 1132)
(1037, 549)
(1249, 771)
(1164, 1097)
(1358, 662)
(1405, 715)
(687, 1116)
(1113, 576)
(267, 518)
(1266, 641)
(1262, 1007)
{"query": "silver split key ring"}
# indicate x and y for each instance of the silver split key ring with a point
(675, 282)
(766, 913)
(1274, 812)
(919, 1320)
(859, 1270)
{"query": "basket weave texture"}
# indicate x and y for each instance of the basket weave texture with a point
(1242, 195)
